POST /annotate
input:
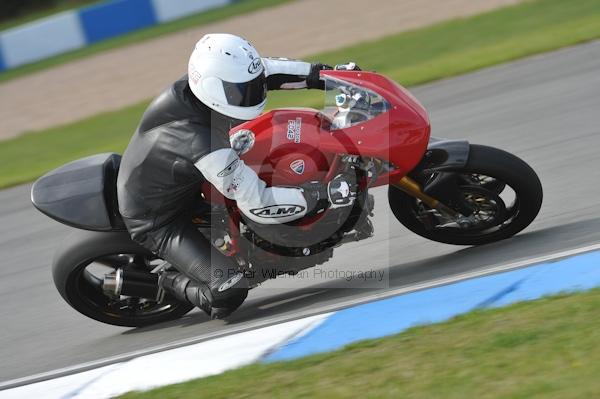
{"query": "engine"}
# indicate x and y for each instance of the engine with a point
(307, 243)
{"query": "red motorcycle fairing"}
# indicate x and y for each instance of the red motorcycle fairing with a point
(287, 147)
(399, 136)
(297, 145)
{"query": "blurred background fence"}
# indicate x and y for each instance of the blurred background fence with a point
(77, 28)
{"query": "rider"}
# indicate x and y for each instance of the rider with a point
(182, 140)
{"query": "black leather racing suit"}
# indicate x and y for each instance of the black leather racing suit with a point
(180, 143)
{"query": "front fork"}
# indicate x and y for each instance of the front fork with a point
(411, 187)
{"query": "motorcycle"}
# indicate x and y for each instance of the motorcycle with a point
(371, 132)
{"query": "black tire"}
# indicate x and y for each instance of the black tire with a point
(501, 165)
(81, 248)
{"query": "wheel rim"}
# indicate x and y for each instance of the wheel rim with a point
(495, 202)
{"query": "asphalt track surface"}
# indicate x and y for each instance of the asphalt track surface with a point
(544, 109)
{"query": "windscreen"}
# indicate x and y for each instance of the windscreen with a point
(347, 104)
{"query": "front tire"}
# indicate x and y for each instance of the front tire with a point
(502, 170)
(76, 282)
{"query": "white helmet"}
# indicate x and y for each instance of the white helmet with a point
(226, 73)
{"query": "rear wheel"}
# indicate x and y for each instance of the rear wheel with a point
(502, 193)
(78, 271)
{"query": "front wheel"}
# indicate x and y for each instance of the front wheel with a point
(80, 265)
(500, 193)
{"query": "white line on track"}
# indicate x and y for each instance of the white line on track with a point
(311, 312)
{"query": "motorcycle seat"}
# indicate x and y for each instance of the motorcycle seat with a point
(82, 194)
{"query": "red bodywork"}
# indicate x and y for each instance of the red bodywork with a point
(295, 145)
(399, 136)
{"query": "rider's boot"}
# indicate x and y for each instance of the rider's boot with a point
(227, 296)
(185, 290)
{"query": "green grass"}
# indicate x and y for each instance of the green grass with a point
(28, 156)
(459, 46)
(193, 21)
(422, 55)
(548, 349)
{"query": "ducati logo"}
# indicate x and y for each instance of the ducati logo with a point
(278, 211)
(254, 66)
(297, 166)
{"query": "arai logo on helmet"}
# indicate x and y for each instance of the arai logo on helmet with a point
(297, 166)
(254, 66)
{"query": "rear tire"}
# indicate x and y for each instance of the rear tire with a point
(78, 251)
(488, 161)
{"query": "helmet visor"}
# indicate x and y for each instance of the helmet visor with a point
(246, 94)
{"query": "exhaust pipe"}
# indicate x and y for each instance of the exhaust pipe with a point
(132, 283)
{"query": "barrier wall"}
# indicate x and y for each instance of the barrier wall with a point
(75, 29)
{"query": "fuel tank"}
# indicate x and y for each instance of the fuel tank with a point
(286, 148)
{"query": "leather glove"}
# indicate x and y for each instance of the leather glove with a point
(315, 194)
(341, 192)
(350, 66)
(313, 80)
(338, 193)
